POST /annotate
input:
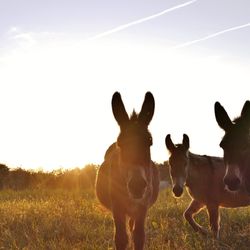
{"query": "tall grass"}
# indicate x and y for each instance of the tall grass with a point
(42, 219)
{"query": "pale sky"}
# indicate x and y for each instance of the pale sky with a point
(61, 61)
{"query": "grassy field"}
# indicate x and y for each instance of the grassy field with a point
(75, 220)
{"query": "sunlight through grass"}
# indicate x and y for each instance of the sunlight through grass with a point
(75, 220)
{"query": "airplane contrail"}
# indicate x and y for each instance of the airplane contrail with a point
(186, 44)
(125, 26)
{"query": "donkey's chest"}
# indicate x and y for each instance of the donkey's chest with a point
(132, 207)
(135, 208)
(198, 191)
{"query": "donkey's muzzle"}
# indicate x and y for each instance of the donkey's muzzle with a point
(233, 183)
(177, 190)
(137, 186)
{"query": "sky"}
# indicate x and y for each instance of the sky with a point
(61, 62)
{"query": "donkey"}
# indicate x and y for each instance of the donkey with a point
(236, 147)
(128, 181)
(203, 177)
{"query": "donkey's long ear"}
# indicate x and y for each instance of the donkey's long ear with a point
(169, 144)
(119, 110)
(185, 141)
(147, 110)
(222, 117)
(245, 113)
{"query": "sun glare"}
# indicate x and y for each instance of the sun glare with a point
(55, 99)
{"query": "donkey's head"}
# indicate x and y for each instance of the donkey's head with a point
(236, 146)
(134, 142)
(178, 162)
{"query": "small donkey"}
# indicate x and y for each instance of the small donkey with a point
(203, 176)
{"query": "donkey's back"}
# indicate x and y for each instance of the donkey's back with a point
(205, 183)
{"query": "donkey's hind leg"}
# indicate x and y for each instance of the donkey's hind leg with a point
(194, 208)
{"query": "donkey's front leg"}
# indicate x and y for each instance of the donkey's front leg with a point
(139, 233)
(121, 237)
(214, 218)
(194, 207)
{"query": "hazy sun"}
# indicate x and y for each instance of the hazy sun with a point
(55, 99)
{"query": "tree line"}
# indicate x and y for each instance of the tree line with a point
(77, 178)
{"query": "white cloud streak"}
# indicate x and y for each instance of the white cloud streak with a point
(187, 44)
(142, 20)
(26, 38)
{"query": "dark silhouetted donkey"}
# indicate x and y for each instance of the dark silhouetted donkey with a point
(128, 181)
(236, 147)
(203, 176)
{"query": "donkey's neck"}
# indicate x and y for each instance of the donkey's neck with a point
(198, 167)
(196, 160)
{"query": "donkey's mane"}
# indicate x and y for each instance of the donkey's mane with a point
(134, 121)
(179, 146)
(135, 128)
(133, 116)
(240, 122)
(237, 119)
(199, 160)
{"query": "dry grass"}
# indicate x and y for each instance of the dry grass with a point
(75, 220)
